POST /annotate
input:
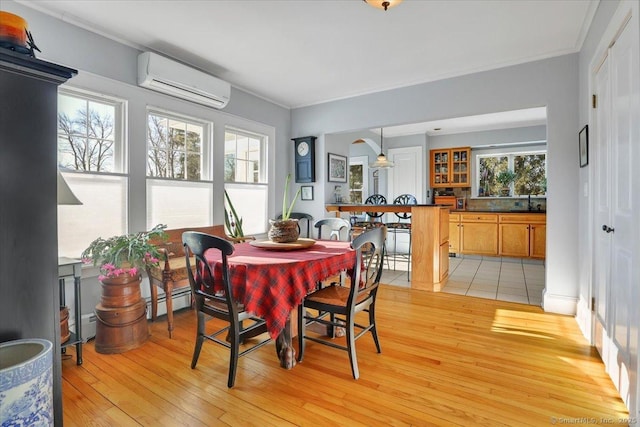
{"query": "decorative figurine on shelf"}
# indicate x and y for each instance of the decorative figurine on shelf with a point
(31, 44)
(337, 193)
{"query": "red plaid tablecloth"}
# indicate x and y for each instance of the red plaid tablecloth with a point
(272, 283)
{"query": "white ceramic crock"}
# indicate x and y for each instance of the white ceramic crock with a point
(26, 383)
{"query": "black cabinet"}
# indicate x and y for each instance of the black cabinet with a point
(29, 307)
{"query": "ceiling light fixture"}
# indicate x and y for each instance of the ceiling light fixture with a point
(382, 4)
(381, 162)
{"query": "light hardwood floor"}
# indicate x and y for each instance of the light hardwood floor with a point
(446, 360)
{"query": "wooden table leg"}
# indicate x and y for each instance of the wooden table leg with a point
(284, 348)
(284, 343)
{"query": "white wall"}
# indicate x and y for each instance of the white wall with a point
(551, 83)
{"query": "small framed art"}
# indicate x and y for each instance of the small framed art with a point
(583, 146)
(306, 192)
(337, 168)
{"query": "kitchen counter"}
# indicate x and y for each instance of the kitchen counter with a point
(429, 240)
(499, 211)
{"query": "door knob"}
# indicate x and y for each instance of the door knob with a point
(607, 228)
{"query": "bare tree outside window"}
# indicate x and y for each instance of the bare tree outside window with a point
(174, 148)
(85, 135)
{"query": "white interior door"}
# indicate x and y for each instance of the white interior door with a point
(406, 176)
(616, 175)
(625, 137)
(600, 149)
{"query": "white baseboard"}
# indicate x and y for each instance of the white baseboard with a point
(560, 304)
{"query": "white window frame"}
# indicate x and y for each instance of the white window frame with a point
(120, 159)
(510, 164)
(186, 214)
(263, 178)
(82, 234)
(206, 170)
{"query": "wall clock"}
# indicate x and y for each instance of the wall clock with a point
(305, 155)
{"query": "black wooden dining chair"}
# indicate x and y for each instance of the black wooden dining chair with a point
(342, 303)
(214, 298)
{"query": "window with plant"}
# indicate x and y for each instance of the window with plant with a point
(245, 177)
(528, 174)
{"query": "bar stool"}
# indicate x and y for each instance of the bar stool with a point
(402, 227)
(375, 221)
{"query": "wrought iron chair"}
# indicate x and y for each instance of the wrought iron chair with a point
(341, 303)
(403, 225)
(214, 298)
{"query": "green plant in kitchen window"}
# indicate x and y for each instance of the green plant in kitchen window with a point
(506, 178)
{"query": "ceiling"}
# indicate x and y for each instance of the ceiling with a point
(303, 52)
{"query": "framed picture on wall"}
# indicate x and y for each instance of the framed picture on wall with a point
(337, 168)
(306, 192)
(583, 145)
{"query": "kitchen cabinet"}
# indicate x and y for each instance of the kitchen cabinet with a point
(479, 233)
(429, 241)
(450, 167)
(522, 235)
(454, 233)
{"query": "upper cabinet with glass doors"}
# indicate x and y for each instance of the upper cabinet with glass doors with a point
(450, 167)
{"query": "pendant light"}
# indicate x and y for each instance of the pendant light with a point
(381, 162)
(382, 4)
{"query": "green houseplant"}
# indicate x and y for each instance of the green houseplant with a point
(506, 178)
(285, 229)
(121, 321)
(124, 254)
(232, 221)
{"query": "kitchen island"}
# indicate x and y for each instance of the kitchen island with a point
(429, 240)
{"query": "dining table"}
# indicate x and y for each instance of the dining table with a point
(272, 280)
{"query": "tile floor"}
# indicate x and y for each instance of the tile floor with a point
(505, 279)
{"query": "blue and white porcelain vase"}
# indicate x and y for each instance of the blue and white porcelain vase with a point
(26, 383)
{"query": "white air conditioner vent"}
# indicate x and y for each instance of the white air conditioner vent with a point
(167, 76)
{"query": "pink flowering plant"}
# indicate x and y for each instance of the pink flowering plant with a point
(127, 253)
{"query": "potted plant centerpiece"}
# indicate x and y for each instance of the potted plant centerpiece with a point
(506, 177)
(121, 314)
(285, 230)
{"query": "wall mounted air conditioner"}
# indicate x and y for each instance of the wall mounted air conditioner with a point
(167, 76)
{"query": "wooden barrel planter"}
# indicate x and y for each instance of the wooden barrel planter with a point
(121, 315)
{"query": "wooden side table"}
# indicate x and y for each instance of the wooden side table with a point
(69, 267)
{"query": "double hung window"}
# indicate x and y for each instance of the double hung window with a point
(245, 177)
(179, 183)
(91, 158)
